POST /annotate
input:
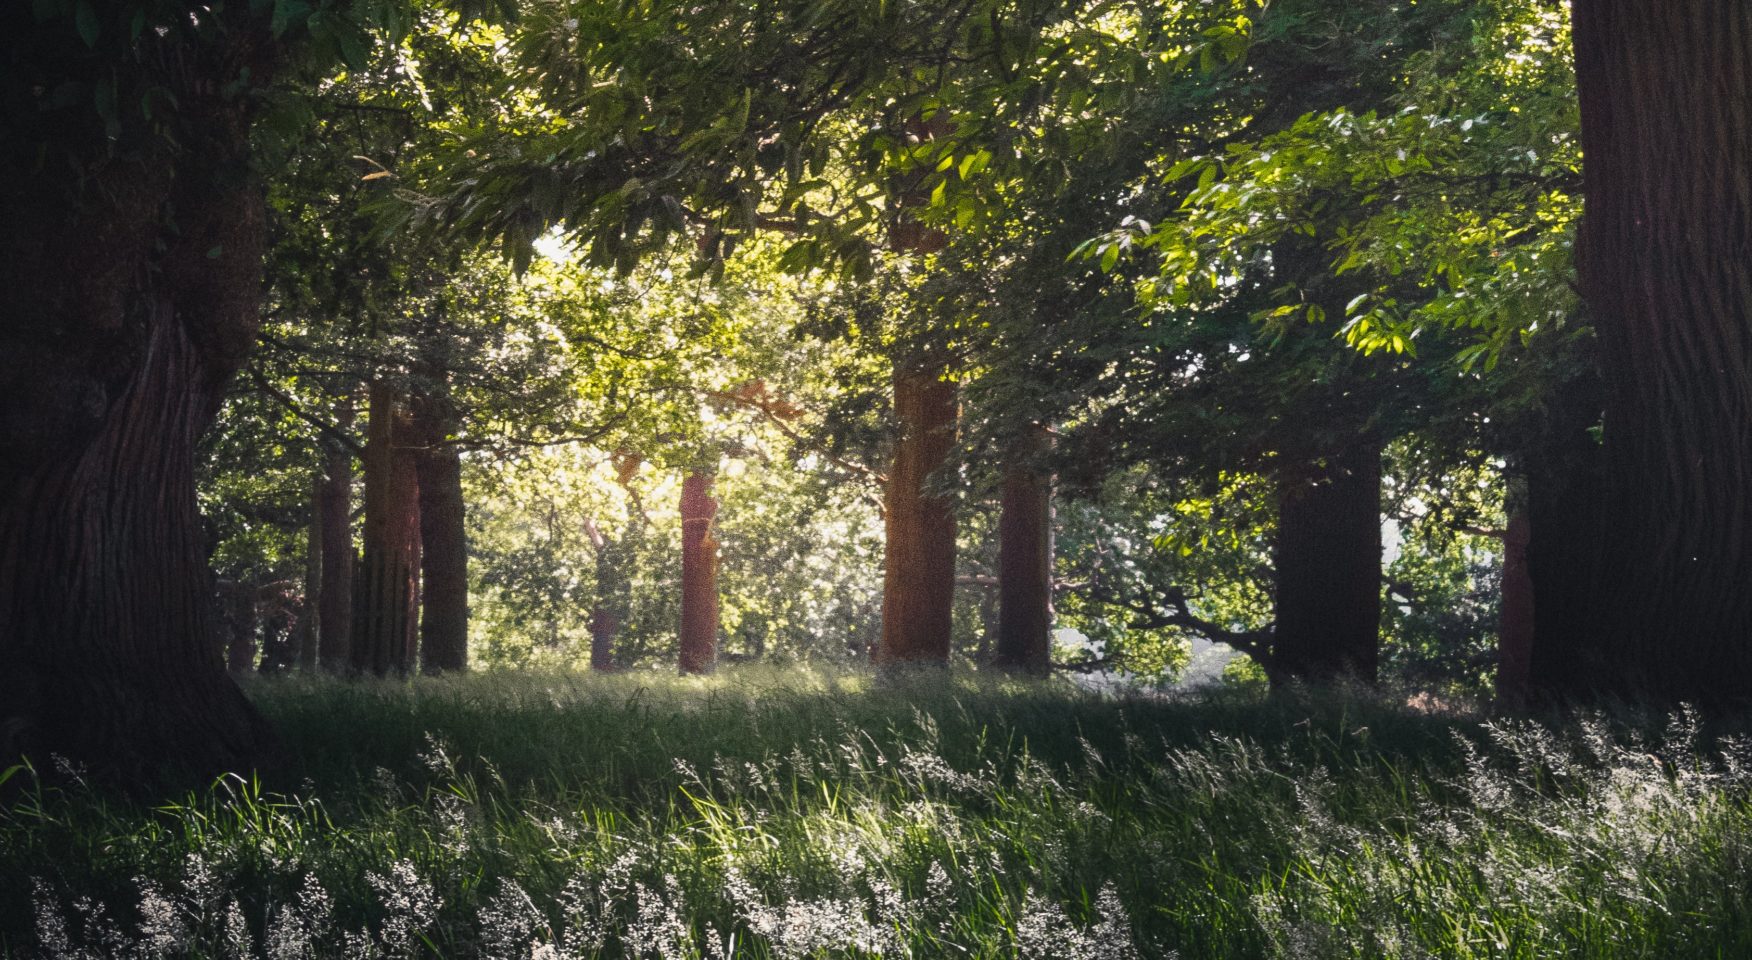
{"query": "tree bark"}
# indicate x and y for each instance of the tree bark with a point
(1567, 536)
(335, 609)
(1025, 570)
(1662, 260)
(918, 581)
(1328, 561)
(386, 601)
(1515, 621)
(117, 336)
(443, 544)
(699, 575)
(608, 609)
(307, 616)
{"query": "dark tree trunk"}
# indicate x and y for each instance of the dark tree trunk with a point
(918, 581)
(312, 601)
(335, 609)
(1328, 560)
(443, 545)
(386, 600)
(1025, 571)
(1662, 256)
(1567, 535)
(117, 336)
(609, 608)
(699, 575)
(1515, 620)
(279, 621)
(238, 614)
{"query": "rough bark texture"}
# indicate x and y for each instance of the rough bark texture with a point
(117, 336)
(335, 609)
(699, 575)
(385, 600)
(1025, 572)
(443, 545)
(918, 585)
(1328, 560)
(1515, 620)
(1662, 256)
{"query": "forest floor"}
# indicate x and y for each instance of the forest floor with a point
(807, 813)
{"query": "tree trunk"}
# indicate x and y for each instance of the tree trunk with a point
(699, 575)
(918, 581)
(1328, 560)
(238, 614)
(307, 617)
(1662, 260)
(1567, 535)
(117, 336)
(1515, 621)
(385, 603)
(443, 546)
(610, 604)
(335, 610)
(1025, 571)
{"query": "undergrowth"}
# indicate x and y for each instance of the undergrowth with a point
(805, 814)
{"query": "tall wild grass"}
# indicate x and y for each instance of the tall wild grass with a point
(810, 814)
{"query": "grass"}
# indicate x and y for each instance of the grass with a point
(802, 814)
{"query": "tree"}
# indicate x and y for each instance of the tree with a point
(1025, 564)
(386, 597)
(699, 574)
(1665, 143)
(335, 515)
(119, 333)
(443, 538)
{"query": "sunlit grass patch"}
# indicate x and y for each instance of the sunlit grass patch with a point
(794, 813)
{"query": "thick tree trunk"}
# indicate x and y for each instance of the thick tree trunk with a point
(1662, 256)
(699, 575)
(1328, 560)
(1515, 620)
(1025, 571)
(918, 585)
(385, 601)
(443, 547)
(1567, 535)
(335, 609)
(116, 339)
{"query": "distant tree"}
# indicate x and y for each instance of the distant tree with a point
(386, 595)
(699, 574)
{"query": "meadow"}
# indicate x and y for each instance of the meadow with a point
(805, 813)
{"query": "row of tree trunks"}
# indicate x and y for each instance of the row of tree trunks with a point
(385, 604)
(1328, 566)
(699, 574)
(1025, 566)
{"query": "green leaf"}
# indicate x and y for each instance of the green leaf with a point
(86, 22)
